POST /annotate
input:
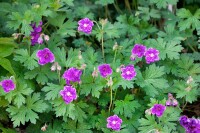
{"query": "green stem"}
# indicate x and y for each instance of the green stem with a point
(58, 76)
(117, 8)
(102, 47)
(115, 96)
(192, 48)
(110, 99)
(115, 55)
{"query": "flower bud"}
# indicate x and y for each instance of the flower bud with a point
(115, 46)
(118, 70)
(148, 111)
(95, 73)
(188, 88)
(53, 68)
(110, 82)
(174, 102)
(132, 58)
(79, 55)
(15, 35)
(46, 37)
(190, 79)
(40, 40)
(44, 128)
(58, 67)
(83, 66)
(168, 103)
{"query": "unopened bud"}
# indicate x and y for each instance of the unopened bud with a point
(148, 111)
(190, 79)
(53, 68)
(95, 73)
(132, 58)
(36, 6)
(174, 102)
(58, 68)
(40, 40)
(46, 37)
(83, 66)
(15, 35)
(110, 82)
(44, 128)
(118, 70)
(115, 46)
(104, 21)
(168, 103)
(170, 96)
(188, 88)
(79, 55)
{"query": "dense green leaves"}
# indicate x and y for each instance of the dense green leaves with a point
(126, 107)
(27, 112)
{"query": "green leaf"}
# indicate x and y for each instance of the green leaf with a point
(68, 29)
(18, 95)
(188, 20)
(126, 107)
(6, 46)
(27, 112)
(163, 3)
(170, 50)
(5, 63)
(147, 124)
(52, 91)
(151, 80)
(30, 62)
(73, 58)
(146, 13)
(104, 2)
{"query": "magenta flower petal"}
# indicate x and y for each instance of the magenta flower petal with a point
(7, 85)
(85, 25)
(152, 55)
(128, 72)
(72, 74)
(158, 110)
(105, 70)
(45, 56)
(114, 122)
(68, 94)
(139, 50)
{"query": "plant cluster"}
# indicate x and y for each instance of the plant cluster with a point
(77, 66)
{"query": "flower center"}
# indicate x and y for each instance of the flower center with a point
(128, 72)
(151, 55)
(68, 94)
(114, 122)
(85, 25)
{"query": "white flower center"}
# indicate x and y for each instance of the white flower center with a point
(151, 55)
(85, 25)
(128, 72)
(68, 94)
(114, 122)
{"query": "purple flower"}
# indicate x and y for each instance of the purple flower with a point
(138, 50)
(168, 102)
(85, 25)
(171, 101)
(105, 70)
(7, 85)
(45, 56)
(158, 110)
(68, 94)
(191, 125)
(114, 122)
(128, 72)
(36, 34)
(72, 74)
(151, 55)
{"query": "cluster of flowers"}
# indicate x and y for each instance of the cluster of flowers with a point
(36, 35)
(191, 125)
(151, 54)
(171, 101)
(7, 85)
(127, 72)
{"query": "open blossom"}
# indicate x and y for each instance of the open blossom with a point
(114, 122)
(85, 25)
(36, 34)
(7, 85)
(72, 74)
(45, 56)
(158, 110)
(128, 72)
(138, 50)
(191, 125)
(152, 55)
(68, 94)
(105, 70)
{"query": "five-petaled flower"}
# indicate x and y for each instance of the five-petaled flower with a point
(36, 34)
(152, 55)
(114, 122)
(7, 85)
(128, 72)
(45, 56)
(158, 110)
(68, 94)
(138, 50)
(72, 74)
(105, 70)
(85, 25)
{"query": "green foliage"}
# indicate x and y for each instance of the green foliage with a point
(163, 3)
(27, 112)
(52, 91)
(126, 107)
(151, 80)
(29, 61)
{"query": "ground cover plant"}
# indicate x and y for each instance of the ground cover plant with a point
(127, 66)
